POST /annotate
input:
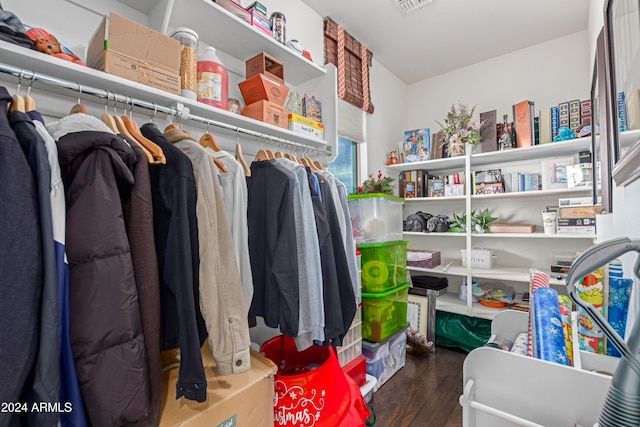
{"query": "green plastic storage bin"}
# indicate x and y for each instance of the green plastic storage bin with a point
(385, 313)
(384, 265)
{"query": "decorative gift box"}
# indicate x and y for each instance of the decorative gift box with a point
(423, 259)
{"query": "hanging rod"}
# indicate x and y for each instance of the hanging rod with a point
(78, 88)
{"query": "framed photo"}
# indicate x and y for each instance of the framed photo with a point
(417, 145)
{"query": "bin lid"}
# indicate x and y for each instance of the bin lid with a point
(387, 292)
(383, 244)
(373, 195)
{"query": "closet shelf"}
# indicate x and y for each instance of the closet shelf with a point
(503, 273)
(536, 235)
(450, 303)
(28, 60)
(225, 31)
(435, 199)
(539, 193)
(454, 164)
(445, 234)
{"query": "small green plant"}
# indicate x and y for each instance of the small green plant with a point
(479, 222)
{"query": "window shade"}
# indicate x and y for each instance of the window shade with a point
(352, 59)
(351, 122)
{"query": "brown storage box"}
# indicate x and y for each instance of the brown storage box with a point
(268, 112)
(580, 211)
(423, 258)
(236, 9)
(266, 64)
(153, 60)
(512, 228)
(261, 87)
(244, 399)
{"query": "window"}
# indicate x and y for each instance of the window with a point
(345, 166)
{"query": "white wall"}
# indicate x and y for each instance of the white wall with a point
(596, 21)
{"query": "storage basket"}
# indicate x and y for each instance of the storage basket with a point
(384, 266)
(375, 217)
(385, 313)
(423, 259)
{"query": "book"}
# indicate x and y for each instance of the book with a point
(436, 145)
(633, 109)
(409, 189)
(563, 114)
(401, 184)
(622, 111)
(555, 122)
(422, 177)
(417, 145)
(488, 182)
(585, 113)
(545, 125)
(536, 131)
(574, 115)
(554, 172)
(488, 131)
(311, 108)
(524, 126)
(436, 187)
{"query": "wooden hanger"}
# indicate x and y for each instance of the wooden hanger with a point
(318, 165)
(208, 140)
(270, 154)
(17, 104)
(278, 155)
(243, 162)
(79, 107)
(152, 147)
(29, 102)
(261, 155)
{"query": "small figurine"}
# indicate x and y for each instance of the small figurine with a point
(392, 158)
(47, 43)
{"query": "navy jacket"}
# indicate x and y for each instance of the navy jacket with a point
(173, 191)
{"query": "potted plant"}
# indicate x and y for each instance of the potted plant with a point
(479, 222)
(460, 128)
(383, 184)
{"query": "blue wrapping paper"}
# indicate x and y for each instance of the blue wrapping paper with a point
(548, 335)
(619, 296)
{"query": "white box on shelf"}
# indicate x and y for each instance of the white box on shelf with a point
(480, 258)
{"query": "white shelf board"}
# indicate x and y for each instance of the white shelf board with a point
(536, 235)
(542, 151)
(455, 269)
(30, 60)
(539, 193)
(435, 199)
(449, 163)
(225, 31)
(450, 303)
(419, 233)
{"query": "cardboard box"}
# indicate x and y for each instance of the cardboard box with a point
(305, 125)
(260, 87)
(235, 9)
(268, 112)
(244, 399)
(512, 228)
(580, 211)
(258, 19)
(263, 63)
(153, 60)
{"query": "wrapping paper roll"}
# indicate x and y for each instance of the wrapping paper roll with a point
(591, 289)
(537, 280)
(520, 345)
(619, 297)
(565, 316)
(548, 337)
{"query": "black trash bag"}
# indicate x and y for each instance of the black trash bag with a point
(416, 222)
(459, 331)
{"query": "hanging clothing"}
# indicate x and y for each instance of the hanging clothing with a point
(69, 387)
(311, 301)
(221, 294)
(173, 190)
(46, 375)
(345, 287)
(234, 190)
(138, 218)
(347, 235)
(20, 266)
(106, 331)
(272, 247)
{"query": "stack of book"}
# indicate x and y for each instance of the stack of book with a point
(419, 183)
(488, 182)
(578, 218)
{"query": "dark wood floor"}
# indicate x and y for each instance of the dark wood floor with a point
(424, 393)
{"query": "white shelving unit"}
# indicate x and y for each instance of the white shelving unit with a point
(515, 253)
(506, 389)
(213, 24)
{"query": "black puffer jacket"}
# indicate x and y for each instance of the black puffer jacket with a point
(106, 332)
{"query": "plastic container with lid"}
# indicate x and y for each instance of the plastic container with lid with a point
(188, 60)
(213, 80)
(376, 217)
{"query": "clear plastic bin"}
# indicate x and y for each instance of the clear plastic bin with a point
(385, 313)
(376, 217)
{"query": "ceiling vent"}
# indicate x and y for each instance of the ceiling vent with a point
(409, 6)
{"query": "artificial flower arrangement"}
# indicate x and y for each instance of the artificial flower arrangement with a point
(383, 184)
(460, 128)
